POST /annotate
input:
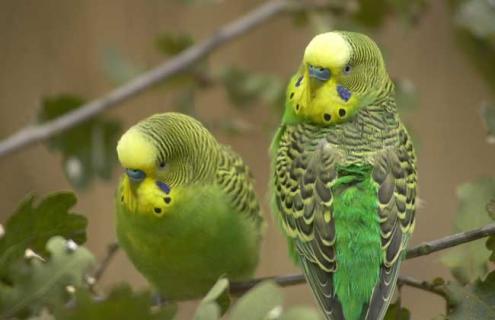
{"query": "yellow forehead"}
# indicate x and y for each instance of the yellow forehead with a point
(328, 50)
(135, 151)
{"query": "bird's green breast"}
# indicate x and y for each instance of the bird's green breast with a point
(201, 238)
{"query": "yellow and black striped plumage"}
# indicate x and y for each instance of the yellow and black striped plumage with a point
(187, 212)
(334, 181)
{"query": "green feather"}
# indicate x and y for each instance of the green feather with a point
(183, 254)
(344, 176)
(194, 216)
(357, 241)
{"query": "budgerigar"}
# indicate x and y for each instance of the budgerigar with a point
(187, 213)
(344, 176)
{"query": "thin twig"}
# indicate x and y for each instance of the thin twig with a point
(180, 63)
(165, 71)
(427, 248)
(422, 285)
(112, 249)
(239, 288)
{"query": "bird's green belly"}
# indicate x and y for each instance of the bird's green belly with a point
(184, 252)
(358, 247)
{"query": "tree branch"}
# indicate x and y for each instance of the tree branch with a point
(112, 249)
(36, 133)
(32, 134)
(426, 248)
(239, 288)
(422, 285)
(165, 71)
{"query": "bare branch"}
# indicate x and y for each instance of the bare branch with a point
(112, 249)
(427, 248)
(239, 288)
(33, 134)
(180, 63)
(422, 285)
(165, 71)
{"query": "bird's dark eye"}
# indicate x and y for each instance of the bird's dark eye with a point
(162, 164)
(347, 69)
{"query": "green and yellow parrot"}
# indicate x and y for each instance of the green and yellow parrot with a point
(187, 213)
(344, 176)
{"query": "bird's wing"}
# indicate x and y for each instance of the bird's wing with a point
(235, 179)
(395, 174)
(303, 198)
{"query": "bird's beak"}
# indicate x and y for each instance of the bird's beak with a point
(136, 175)
(319, 73)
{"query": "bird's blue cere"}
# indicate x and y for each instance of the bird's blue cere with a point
(163, 186)
(319, 73)
(343, 92)
(135, 175)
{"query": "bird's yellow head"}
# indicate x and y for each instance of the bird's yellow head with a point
(160, 155)
(340, 73)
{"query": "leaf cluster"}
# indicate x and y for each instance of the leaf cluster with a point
(40, 256)
(88, 150)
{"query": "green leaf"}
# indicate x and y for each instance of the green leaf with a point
(490, 208)
(469, 261)
(300, 18)
(117, 67)
(121, 303)
(36, 283)
(371, 13)
(473, 301)
(208, 311)
(301, 313)
(490, 245)
(244, 88)
(185, 101)
(215, 303)
(406, 95)
(200, 2)
(32, 225)
(475, 31)
(488, 117)
(396, 312)
(171, 44)
(408, 10)
(88, 149)
(477, 16)
(261, 302)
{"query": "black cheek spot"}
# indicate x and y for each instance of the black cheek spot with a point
(297, 107)
(122, 198)
(167, 200)
(299, 81)
(342, 112)
(158, 210)
(291, 95)
(327, 117)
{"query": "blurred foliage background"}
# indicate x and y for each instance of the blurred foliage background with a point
(55, 55)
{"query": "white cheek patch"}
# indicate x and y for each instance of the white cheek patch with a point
(328, 50)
